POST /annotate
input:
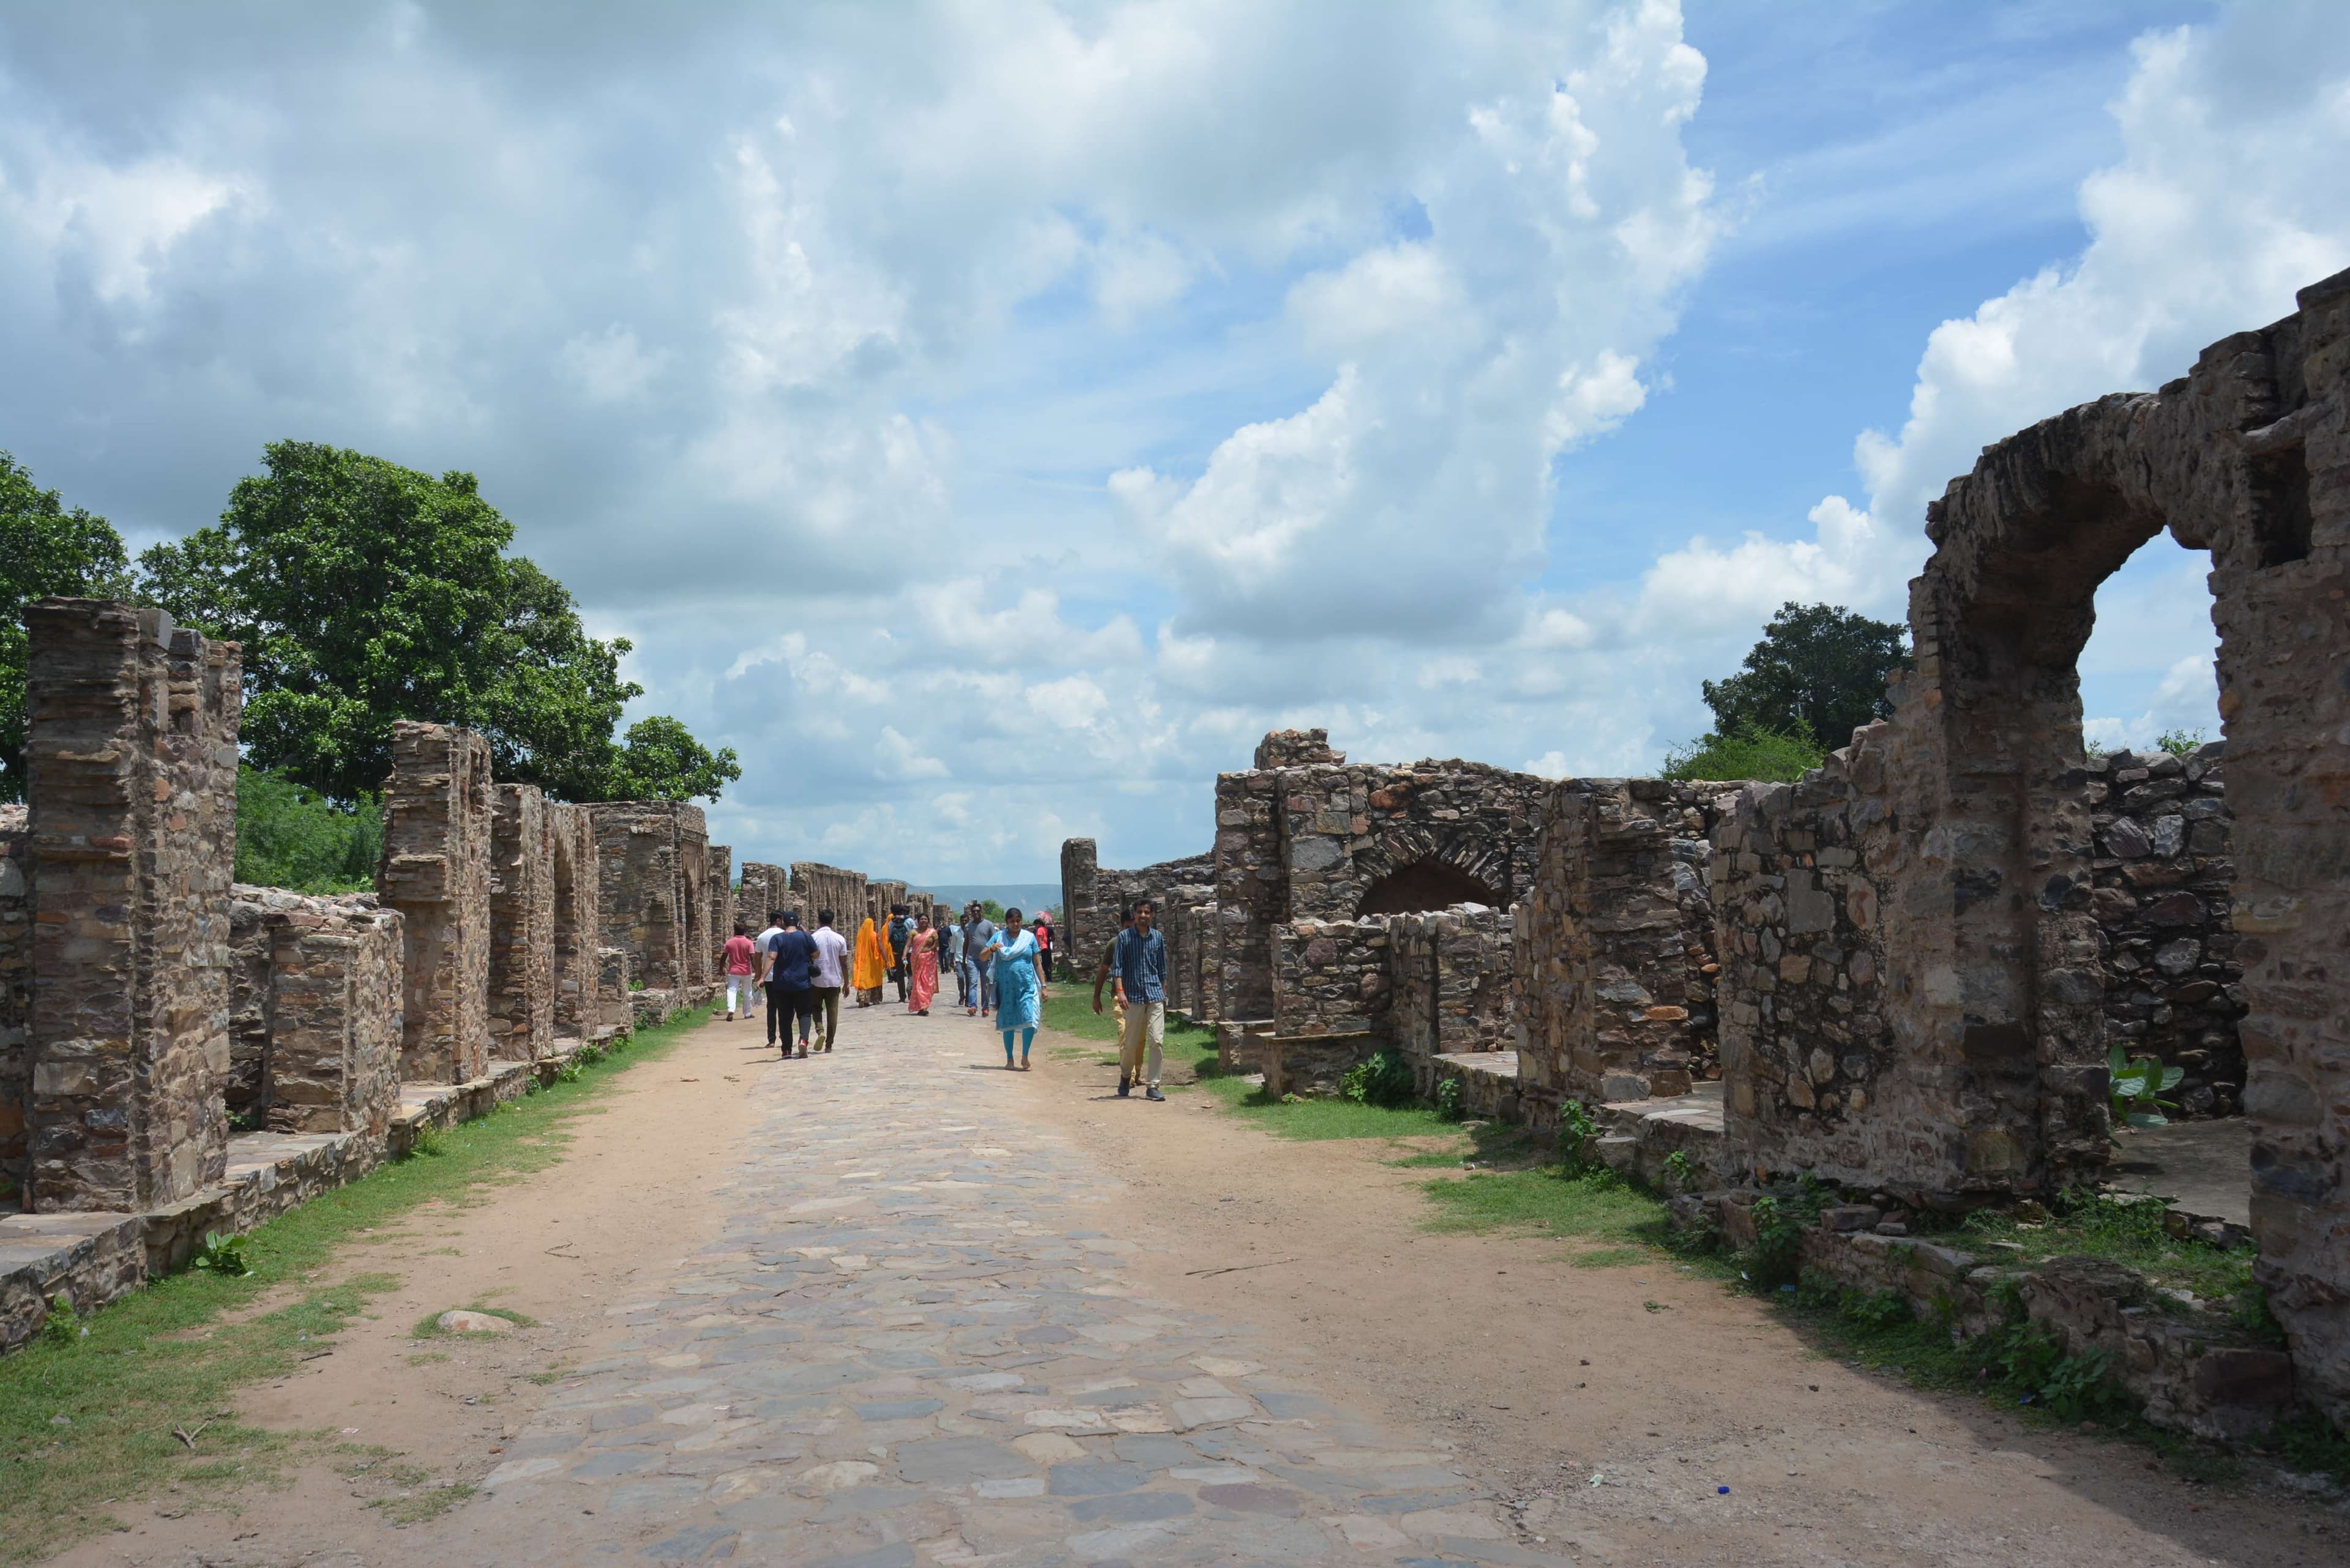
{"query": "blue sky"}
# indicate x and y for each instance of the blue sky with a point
(989, 417)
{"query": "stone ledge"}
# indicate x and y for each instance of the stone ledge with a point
(96, 1257)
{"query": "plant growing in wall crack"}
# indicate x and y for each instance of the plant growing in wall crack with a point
(2139, 1085)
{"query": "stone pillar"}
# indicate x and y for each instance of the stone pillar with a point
(1252, 889)
(522, 926)
(580, 1005)
(132, 776)
(722, 914)
(16, 998)
(653, 859)
(438, 827)
(1082, 934)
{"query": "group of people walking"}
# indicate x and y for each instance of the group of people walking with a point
(999, 971)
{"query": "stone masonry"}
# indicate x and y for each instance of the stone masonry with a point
(521, 994)
(131, 786)
(1451, 981)
(816, 886)
(317, 1017)
(1975, 836)
(763, 889)
(582, 994)
(648, 885)
(2173, 986)
(16, 995)
(438, 827)
(1617, 997)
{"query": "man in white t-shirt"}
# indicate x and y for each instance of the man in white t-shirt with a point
(759, 953)
(830, 972)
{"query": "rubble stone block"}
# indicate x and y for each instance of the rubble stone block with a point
(316, 1020)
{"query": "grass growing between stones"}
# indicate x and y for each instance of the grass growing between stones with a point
(138, 1398)
(2125, 1232)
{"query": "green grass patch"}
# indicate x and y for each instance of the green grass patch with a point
(1550, 1201)
(2129, 1233)
(138, 1397)
(428, 1326)
(1611, 1257)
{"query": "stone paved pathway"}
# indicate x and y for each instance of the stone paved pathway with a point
(916, 1342)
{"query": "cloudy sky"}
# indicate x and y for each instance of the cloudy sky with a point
(988, 417)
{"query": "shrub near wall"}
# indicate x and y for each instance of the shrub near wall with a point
(292, 837)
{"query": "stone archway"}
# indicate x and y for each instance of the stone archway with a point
(1424, 885)
(1963, 835)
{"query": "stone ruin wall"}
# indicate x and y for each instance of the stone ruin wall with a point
(438, 833)
(652, 876)
(522, 991)
(763, 888)
(816, 888)
(1451, 981)
(131, 791)
(1332, 977)
(720, 923)
(316, 1022)
(16, 996)
(1615, 976)
(581, 960)
(2173, 986)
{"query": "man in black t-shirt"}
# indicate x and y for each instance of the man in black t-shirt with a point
(902, 935)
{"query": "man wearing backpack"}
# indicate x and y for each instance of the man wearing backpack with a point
(901, 934)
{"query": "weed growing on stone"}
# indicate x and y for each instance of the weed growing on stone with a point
(90, 1421)
(2100, 1226)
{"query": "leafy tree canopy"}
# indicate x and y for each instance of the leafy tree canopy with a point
(1818, 669)
(364, 592)
(659, 760)
(44, 550)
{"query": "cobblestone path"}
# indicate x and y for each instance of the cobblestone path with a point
(916, 1342)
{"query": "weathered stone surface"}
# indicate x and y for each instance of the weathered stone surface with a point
(438, 828)
(16, 996)
(584, 996)
(2173, 988)
(132, 785)
(1449, 985)
(652, 880)
(1615, 989)
(816, 888)
(522, 992)
(316, 1020)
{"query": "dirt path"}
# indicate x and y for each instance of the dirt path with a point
(1528, 1376)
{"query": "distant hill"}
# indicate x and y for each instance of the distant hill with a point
(1027, 896)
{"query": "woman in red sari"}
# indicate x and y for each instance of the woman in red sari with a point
(922, 959)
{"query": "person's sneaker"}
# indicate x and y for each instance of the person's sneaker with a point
(1152, 1092)
(1125, 1085)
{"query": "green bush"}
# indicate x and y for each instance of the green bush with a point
(1385, 1079)
(292, 838)
(1777, 755)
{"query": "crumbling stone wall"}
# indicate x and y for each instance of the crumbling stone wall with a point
(763, 888)
(2173, 986)
(1970, 808)
(1811, 1074)
(522, 992)
(721, 924)
(580, 1004)
(816, 888)
(1175, 909)
(1082, 931)
(1305, 834)
(1450, 984)
(438, 833)
(647, 889)
(1332, 977)
(132, 785)
(317, 1014)
(1615, 994)
(16, 996)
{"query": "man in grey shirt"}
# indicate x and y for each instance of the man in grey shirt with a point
(978, 930)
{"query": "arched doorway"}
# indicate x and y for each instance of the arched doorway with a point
(1424, 885)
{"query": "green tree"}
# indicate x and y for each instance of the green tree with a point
(44, 550)
(363, 593)
(289, 837)
(659, 759)
(1818, 669)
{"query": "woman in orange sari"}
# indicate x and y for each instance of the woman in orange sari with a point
(871, 967)
(922, 958)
